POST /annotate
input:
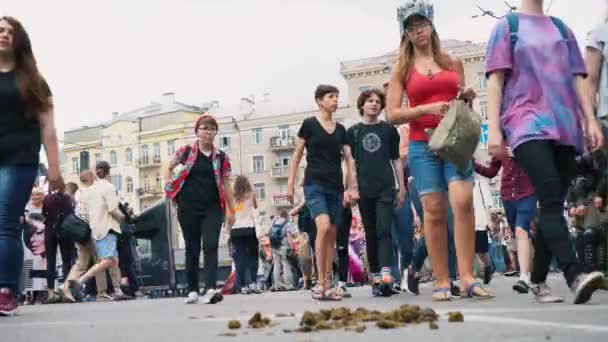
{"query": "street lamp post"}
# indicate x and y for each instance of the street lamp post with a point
(238, 129)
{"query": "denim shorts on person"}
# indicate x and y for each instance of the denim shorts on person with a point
(431, 173)
(521, 212)
(321, 200)
(106, 247)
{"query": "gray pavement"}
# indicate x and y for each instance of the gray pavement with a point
(508, 317)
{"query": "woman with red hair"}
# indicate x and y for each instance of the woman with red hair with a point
(199, 183)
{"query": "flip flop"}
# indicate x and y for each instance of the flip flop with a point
(471, 293)
(442, 294)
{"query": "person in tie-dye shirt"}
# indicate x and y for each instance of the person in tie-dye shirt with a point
(536, 92)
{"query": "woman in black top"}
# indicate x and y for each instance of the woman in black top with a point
(204, 197)
(325, 142)
(26, 122)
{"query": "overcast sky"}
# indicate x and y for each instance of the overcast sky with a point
(116, 55)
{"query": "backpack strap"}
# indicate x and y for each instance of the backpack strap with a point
(356, 132)
(513, 21)
(561, 27)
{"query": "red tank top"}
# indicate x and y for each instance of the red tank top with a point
(421, 90)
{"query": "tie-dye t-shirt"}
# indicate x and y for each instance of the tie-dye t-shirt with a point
(539, 101)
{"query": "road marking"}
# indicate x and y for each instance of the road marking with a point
(527, 322)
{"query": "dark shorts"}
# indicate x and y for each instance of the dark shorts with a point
(520, 213)
(323, 201)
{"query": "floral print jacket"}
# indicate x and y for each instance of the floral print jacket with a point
(184, 163)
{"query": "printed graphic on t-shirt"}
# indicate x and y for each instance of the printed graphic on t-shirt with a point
(371, 142)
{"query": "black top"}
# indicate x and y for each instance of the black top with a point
(323, 154)
(20, 138)
(200, 191)
(374, 147)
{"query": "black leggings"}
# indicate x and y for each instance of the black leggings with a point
(68, 252)
(246, 258)
(342, 242)
(550, 168)
(196, 226)
(377, 217)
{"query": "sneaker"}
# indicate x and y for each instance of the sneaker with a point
(245, 291)
(104, 297)
(585, 284)
(521, 287)
(511, 273)
(75, 288)
(89, 298)
(343, 292)
(413, 282)
(542, 294)
(67, 295)
(253, 288)
(404, 278)
(396, 289)
(386, 287)
(121, 296)
(8, 303)
(192, 298)
(376, 291)
(212, 296)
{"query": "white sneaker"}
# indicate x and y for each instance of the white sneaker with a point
(404, 286)
(192, 298)
(542, 294)
(213, 296)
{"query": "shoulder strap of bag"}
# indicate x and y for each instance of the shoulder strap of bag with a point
(560, 26)
(513, 21)
(356, 133)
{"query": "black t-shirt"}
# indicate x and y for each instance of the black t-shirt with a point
(200, 191)
(323, 154)
(20, 139)
(374, 147)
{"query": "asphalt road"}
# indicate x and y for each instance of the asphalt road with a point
(508, 317)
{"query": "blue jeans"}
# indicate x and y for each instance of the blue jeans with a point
(16, 184)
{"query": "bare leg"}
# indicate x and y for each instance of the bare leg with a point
(435, 232)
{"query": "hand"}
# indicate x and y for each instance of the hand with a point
(581, 210)
(437, 108)
(510, 152)
(400, 199)
(55, 180)
(598, 202)
(417, 222)
(572, 212)
(467, 94)
(290, 193)
(594, 138)
(354, 195)
(496, 144)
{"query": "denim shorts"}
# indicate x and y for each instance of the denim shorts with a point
(323, 201)
(106, 247)
(431, 173)
(521, 212)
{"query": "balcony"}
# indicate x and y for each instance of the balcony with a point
(282, 144)
(279, 172)
(281, 202)
(148, 162)
(152, 192)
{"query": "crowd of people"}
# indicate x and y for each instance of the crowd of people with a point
(377, 200)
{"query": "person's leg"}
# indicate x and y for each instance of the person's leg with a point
(211, 227)
(192, 232)
(68, 256)
(15, 189)
(342, 242)
(277, 269)
(367, 209)
(51, 241)
(549, 172)
(115, 277)
(525, 214)
(287, 268)
(254, 259)
(384, 207)
(402, 234)
(452, 260)
(240, 261)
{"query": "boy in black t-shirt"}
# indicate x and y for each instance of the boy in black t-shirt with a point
(325, 142)
(375, 146)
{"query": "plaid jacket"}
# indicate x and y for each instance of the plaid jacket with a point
(185, 161)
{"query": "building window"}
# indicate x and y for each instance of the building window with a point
(146, 184)
(284, 159)
(129, 155)
(129, 185)
(157, 151)
(158, 182)
(257, 136)
(145, 155)
(113, 158)
(224, 142)
(260, 192)
(284, 132)
(483, 81)
(116, 181)
(75, 165)
(283, 188)
(97, 157)
(171, 147)
(364, 88)
(258, 164)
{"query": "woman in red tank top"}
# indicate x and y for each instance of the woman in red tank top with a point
(431, 80)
